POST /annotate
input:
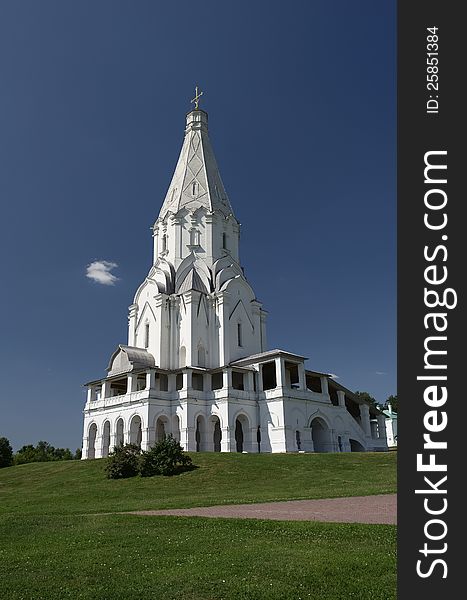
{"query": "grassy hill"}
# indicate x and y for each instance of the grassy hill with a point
(58, 543)
(81, 486)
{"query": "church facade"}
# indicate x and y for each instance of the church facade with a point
(197, 364)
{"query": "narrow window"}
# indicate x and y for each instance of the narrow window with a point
(164, 243)
(194, 237)
(146, 336)
(298, 440)
(194, 188)
(224, 241)
(239, 334)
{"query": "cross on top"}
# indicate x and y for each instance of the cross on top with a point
(197, 97)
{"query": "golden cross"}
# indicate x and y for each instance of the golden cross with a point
(197, 97)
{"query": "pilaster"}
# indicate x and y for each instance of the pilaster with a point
(223, 316)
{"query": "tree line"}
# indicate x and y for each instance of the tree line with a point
(391, 400)
(42, 452)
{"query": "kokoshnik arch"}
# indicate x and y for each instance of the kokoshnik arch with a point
(197, 365)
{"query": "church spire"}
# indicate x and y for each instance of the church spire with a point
(196, 181)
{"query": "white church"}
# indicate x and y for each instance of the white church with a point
(197, 363)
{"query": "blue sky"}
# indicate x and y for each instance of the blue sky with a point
(301, 99)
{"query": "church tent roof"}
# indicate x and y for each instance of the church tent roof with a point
(196, 181)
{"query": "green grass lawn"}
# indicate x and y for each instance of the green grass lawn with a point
(53, 545)
(71, 487)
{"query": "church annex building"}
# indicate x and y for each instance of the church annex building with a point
(197, 364)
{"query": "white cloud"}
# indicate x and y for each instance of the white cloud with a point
(100, 272)
(380, 373)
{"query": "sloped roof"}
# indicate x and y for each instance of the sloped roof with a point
(192, 281)
(129, 358)
(196, 181)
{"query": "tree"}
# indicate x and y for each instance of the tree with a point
(392, 400)
(6, 453)
(25, 454)
(165, 458)
(365, 396)
(42, 452)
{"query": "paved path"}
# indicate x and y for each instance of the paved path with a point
(357, 509)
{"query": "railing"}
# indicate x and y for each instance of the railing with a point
(113, 400)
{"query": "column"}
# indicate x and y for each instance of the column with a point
(187, 379)
(365, 418)
(250, 383)
(207, 382)
(280, 372)
(382, 427)
(341, 398)
(90, 397)
(145, 435)
(227, 378)
(324, 385)
(172, 382)
(260, 378)
(150, 379)
(225, 440)
(98, 445)
(105, 390)
(131, 383)
(301, 376)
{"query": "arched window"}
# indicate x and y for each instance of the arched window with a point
(146, 335)
(194, 188)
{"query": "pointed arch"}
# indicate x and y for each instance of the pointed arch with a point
(106, 438)
(136, 430)
(119, 432)
(321, 435)
(92, 435)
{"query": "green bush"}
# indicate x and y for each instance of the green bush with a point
(165, 458)
(123, 462)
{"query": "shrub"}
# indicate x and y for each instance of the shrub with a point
(165, 458)
(6, 453)
(123, 462)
